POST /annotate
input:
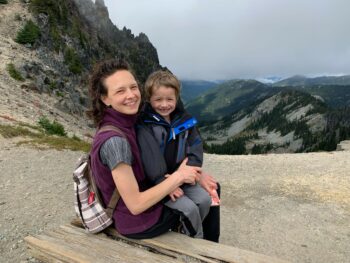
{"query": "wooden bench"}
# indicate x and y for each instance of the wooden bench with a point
(70, 243)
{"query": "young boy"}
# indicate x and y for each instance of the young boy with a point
(168, 133)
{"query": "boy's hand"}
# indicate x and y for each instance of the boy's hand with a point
(207, 182)
(215, 200)
(176, 194)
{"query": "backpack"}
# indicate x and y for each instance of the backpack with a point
(88, 203)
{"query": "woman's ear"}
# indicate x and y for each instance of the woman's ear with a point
(105, 100)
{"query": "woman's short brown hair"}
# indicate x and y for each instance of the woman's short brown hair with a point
(100, 72)
(161, 78)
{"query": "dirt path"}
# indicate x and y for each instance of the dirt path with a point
(292, 206)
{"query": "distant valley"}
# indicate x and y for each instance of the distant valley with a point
(297, 114)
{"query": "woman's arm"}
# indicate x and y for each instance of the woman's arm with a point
(137, 201)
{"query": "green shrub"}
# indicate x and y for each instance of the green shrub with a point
(53, 128)
(59, 94)
(3, 2)
(72, 59)
(28, 34)
(14, 73)
(53, 85)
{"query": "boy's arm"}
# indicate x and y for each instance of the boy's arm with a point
(194, 150)
(153, 161)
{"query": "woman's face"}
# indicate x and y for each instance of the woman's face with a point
(123, 93)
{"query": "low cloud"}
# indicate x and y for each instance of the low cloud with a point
(205, 39)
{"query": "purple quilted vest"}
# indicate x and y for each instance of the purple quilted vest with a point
(124, 221)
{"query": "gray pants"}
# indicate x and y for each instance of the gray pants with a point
(194, 205)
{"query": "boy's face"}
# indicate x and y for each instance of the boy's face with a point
(163, 101)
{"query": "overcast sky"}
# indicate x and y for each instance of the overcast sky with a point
(225, 39)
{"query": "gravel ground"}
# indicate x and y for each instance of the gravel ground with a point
(292, 206)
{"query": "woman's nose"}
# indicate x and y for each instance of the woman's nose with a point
(130, 93)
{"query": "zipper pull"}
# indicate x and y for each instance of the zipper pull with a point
(173, 132)
(156, 118)
(91, 198)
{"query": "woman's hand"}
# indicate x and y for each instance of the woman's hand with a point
(176, 194)
(189, 174)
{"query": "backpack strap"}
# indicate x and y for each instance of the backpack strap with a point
(112, 203)
(115, 196)
(110, 128)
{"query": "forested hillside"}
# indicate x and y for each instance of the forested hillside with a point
(290, 121)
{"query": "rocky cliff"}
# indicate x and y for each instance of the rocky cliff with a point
(47, 49)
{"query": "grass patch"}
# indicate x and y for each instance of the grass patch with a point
(14, 73)
(34, 127)
(76, 138)
(41, 140)
(9, 131)
(58, 143)
(3, 2)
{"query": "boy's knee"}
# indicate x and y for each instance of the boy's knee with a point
(205, 202)
(191, 209)
(204, 205)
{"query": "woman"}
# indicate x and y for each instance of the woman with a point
(115, 158)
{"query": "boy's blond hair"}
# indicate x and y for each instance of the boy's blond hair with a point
(161, 78)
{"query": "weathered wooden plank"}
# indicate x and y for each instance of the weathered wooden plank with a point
(175, 241)
(200, 249)
(69, 244)
(189, 257)
(186, 257)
